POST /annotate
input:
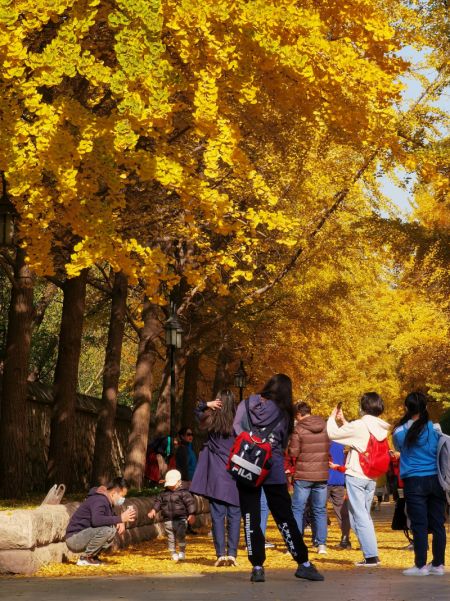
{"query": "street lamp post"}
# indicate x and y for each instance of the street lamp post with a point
(173, 336)
(7, 217)
(240, 379)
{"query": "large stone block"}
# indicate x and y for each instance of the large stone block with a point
(16, 530)
(28, 561)
(30, 538)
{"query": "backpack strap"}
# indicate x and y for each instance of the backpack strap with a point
(267, 429)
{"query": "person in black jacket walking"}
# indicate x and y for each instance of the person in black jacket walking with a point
(177, 506)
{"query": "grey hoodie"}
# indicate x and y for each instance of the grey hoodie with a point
(262, 413)
(356, 435)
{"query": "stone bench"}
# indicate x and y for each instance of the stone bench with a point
(30, 538)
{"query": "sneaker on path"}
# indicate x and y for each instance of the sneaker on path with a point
(231, 561)
(221, 561)
(269, 545)
(181, 556)
(258, 575)
(322, 550)
(88, 561)
(175, 556)
(415, 571)
(368, 562)
(308, 573)
(436, 570)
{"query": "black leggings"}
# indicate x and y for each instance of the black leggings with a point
(279, 502)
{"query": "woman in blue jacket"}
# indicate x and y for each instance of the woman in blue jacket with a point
(416, 437)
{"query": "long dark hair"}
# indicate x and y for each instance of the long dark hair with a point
(279, 390)
(220, 421)
(415, 403)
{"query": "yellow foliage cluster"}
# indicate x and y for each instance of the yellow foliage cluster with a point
(115, 117)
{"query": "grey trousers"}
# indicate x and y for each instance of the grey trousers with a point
(91, 541)
(176, 533)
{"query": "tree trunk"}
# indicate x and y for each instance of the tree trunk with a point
(14, 423)
(191, 374)
(62, 429)
(163, 415)
(101, 468)
(223, 377)
(142, 396)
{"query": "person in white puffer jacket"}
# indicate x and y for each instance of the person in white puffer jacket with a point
(360, 488)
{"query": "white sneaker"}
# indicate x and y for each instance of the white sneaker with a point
(322, 550)
(221, 561)
(181, 556)
(436, 570)
(175, 556)
(88, 561)
(231, 560)
(415, 571)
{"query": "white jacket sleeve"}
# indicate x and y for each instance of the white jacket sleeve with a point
(354, 434)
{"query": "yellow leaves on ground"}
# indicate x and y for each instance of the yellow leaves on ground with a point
(153, 557)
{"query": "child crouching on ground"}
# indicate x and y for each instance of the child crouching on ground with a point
(177, 506)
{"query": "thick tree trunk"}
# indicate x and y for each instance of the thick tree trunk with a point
(223, 377)
(163, 415)
(62, 428)
(101, 468)
(191, 374)
(13, 423)
(147, 357)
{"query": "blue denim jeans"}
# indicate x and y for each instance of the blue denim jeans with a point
(225, 514)
(318, 491)
(360, 493)
(264, 512)
(425, 506)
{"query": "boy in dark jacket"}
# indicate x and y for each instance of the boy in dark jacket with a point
(177, 506)
(94, 524)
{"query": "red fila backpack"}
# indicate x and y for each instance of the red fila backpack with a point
(250, 457)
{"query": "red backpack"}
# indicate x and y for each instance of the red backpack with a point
(375, 459)
(250, 457)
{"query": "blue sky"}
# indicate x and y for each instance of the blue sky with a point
(403, 197)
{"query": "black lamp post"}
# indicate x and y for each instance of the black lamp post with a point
(240, 379)
(7, 217)
(173, 335)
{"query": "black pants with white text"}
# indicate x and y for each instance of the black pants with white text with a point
(280, 506)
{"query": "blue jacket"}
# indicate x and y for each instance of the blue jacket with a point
(335, 477)
(95, 511)
(421, 458)
(186, 460)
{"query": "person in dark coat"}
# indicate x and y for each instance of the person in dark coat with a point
(212, 480)
(185, 457)
(177, 507)
(310, 446)
(94, 524)
(274, 401)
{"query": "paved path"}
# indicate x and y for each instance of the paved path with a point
(359, 585)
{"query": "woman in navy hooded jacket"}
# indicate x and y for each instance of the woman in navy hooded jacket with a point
(416, 437)
(275, 400)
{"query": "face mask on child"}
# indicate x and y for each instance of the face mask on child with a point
(119, 501)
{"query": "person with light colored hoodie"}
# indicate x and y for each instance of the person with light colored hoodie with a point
(360, 488)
